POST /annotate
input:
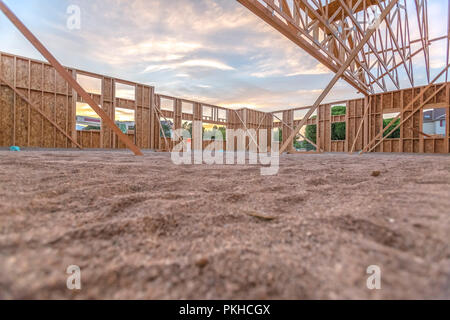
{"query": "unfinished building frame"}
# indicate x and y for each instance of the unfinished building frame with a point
(38, 103)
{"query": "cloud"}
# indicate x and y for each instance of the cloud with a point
(205, 63)
(289, 71)
(182, 75)
(185, 48)
(214, 51)
(199, 63)
(169, 47)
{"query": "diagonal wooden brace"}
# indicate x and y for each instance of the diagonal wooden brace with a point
(68, 77)
(35, 108)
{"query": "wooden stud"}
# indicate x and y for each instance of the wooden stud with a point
(366, 112)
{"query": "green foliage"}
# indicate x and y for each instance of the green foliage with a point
(304, 145)
(122, 127)
(338, 110)
(89, 128)
(188, 127)
(224, 133)
(396, 133)
(338, 131)
(277, 135)
(311, 133)
(167, 127)
(214, 133)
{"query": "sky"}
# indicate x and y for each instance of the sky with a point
(213, 51)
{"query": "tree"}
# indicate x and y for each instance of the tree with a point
(304, 145)
(223, 130)
(396, 133)
(338, 110)
(279, 132)
(167, 127)
(214, 133)
(338, 131)
(187, 126)
(311, 132)
(89, 128)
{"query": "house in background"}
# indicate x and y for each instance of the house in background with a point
(434, 121)
(88, 123)
(126, 126)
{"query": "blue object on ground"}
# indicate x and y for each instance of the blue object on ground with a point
(14, 148)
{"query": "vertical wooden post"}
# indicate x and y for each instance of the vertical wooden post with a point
(368, 102)
(14, 103)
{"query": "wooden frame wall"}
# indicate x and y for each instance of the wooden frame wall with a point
(41, 84)
(178, 116)
(410, 140)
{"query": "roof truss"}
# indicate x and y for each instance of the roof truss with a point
(329, 30)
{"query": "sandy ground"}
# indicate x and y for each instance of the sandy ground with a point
(141, 227)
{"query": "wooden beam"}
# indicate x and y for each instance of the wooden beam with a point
(330, 8)
(398, 64)
(343, 44)
(337, 76)
(172, 126)
(68, 77)
(361, 32)
(420, 132)
(159, 114)
(35, 108)
(257, 129)
(335, 5)
(366, 112)
(448, 40)
(248, 132)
